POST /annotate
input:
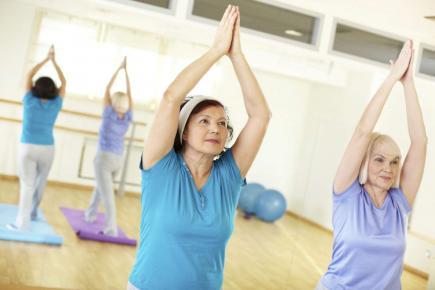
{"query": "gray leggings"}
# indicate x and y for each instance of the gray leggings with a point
(320, 286)
(34, 163)
(106, 166)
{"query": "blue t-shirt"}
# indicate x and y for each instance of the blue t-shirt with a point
(38, 119)
(183, 231)
(369, 242)
(112, 130)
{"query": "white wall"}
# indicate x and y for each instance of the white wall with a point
(287, 99)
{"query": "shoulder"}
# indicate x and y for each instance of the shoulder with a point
(28, 96)
(108, 112)
(399, 199)
(226, 164)
(352, 191)
(58, 100)
(168, 162)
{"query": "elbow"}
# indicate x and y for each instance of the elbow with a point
(260, 111)
(421, 141)
(268, 115)
(170, 96)
(264, 117)
(424, 139)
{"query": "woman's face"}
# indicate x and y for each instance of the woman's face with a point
(206, 131)
(384, 165)
(120, 104)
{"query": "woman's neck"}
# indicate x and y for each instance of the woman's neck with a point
(377, 194)
(199, 164)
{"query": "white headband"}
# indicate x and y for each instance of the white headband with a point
(187, 110)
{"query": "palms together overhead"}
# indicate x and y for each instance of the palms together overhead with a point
(236, 48)
(227, 40)
(401, 69)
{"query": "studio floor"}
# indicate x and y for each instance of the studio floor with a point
(289, 254)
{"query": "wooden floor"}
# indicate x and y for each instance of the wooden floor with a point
(290, 254)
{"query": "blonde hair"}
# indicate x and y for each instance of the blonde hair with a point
(377, 138)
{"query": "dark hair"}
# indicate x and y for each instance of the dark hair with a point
(198, 108)
(45, 88)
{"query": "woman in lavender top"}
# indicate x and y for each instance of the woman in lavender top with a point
(117, 116)
(373, 193)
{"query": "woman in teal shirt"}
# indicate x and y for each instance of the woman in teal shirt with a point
(190, 183)
(41, 105)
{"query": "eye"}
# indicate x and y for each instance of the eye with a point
(395, 162)
(380, 160)
(203, 121)
(223, 124)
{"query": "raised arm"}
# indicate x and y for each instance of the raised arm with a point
(107, 101)
(127, 84)
(164, 127)
(52, 57)
(33, 71)
(354, 154)
(248, 143)
(413, 166)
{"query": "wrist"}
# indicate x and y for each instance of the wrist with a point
(215, 53)
(236, 56)
(408, 83)
(391, 79)
(408, 79)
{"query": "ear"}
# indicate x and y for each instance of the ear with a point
(184, 136)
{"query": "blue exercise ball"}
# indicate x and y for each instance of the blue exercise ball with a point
(248, 197)
(270, 205)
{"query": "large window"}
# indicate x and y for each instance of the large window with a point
(427, 62)
(264, 18)
(361, 43)
(89, 53)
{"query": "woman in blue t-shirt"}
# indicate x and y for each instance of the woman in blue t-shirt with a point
(41, 105)
(190, 184)
(373, 194)
(117, 116)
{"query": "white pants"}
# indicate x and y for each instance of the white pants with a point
(131, 286)
(34, 163)
(106, 166)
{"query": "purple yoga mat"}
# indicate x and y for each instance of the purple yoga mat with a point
(92, 231)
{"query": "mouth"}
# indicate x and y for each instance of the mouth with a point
(386, 178)
(212, 141)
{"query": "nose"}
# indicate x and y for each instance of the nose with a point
(213, 128)
(387, 167)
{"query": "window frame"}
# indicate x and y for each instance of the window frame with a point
(419, 58)
(171, 10)
(317, 31)
(352, 57)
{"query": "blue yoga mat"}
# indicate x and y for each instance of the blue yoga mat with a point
(39, 231)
